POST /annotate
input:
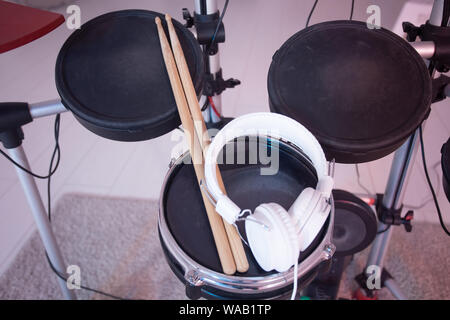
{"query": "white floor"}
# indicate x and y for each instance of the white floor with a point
(90, 164)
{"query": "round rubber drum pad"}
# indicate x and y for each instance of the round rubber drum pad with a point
(360, 91)
(355, 224)
(111, 75)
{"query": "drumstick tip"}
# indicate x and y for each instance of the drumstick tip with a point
(168, 18)
(158, 20)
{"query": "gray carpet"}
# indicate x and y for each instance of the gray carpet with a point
(115, 242)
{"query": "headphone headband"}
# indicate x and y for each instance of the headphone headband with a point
(264, 123)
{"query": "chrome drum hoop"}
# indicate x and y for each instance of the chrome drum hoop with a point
(198, 275)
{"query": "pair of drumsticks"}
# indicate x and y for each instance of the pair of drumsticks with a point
(228, 243)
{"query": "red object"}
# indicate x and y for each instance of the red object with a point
(20, 25)
(372, 201)
(211, 102)
(360, 295)
(369, 201)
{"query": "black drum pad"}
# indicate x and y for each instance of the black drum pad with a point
(355, 224)
(445, 162)
(360, 91)
(111, 75)
(187, 219)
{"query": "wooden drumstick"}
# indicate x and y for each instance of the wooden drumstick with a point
(200, 127)
(215, 221)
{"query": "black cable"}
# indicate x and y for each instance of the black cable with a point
(57, 151)
(384, 230)
(314, 7)
(431, 69)
(311, 12)
(61, 276)
(359, 181)
(26, 170)
(205, 105)
(213, 39)
(445, 13)
(352, 9)
(430, 184)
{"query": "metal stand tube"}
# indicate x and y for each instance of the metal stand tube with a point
(40, 217)
(392, 197)
(437, 12)
(214, 67)
(394, 289)
(46, 108)
(426, 49)
(34, 199)
(213, 61)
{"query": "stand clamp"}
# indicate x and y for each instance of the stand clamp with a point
(439, 35)
(206, 25)
(215, 84)
(363, 281)
(188, 18)
(393, 216)
(441, 88)
(13, 115)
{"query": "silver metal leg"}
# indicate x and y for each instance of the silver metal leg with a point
(394, 289)
(436, 12)
(214, 67)
(213, 63)
(379, 247)
(40, 217)
(392, 199)
(46, 108)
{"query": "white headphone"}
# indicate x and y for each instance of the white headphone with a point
(289, 232)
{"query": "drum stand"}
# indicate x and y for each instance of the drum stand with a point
(389, 210)
(11, 135)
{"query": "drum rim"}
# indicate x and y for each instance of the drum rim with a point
(445, 165)
(199, 275)
(71, 102)
(445, 159)
(347, 145)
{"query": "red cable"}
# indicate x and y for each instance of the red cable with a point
(211, 102)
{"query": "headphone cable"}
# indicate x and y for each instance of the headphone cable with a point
(294, 289)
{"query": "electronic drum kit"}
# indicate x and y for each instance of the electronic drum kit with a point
(360, 92)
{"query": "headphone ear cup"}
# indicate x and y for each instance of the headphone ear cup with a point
(277, 247)
(299, 209)
(310, 212)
